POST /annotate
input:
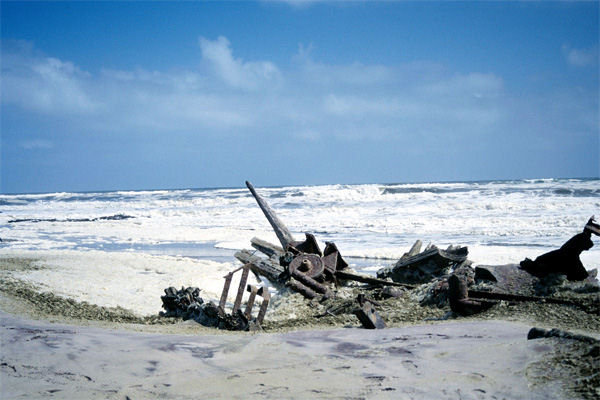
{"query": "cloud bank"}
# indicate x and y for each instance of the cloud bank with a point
(307, 100)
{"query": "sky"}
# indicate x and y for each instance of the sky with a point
(163, 95)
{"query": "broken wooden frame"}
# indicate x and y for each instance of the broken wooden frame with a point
(252, 289)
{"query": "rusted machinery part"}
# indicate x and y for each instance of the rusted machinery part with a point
(479, 294)
(331, 251)
(311, 283)
(310, 265)
(308, 245)
(369, 317)
(302, 289)
(458, 297)
(537, 333)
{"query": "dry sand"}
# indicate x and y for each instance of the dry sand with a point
(472, 360)
(52, 347)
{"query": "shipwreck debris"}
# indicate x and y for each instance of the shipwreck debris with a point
(299, 265)
(243, 320)
(537, 333)
(434, 276)
(458, 297)
(417, 267)
(187, 304)
(367, 315)
(566, 259)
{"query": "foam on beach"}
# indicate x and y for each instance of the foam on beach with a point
(132, 281)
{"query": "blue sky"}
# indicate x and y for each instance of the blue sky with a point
(135, 95)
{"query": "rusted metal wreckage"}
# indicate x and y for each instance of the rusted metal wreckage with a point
(187, 304)
(302, 267)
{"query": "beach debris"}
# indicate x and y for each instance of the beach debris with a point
(435, 292)
(433, 276)
(416, 267)
(509, 278)
(181, 303)
(367, 315)
(566, 259)
(243, 319)
(187, 304)
(298, 265)
(537, 333)
(458, 297)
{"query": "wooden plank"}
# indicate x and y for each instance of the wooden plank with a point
(253, 290)
(261, 267)
(265, 303)
(269, 249)
(223, 299)
(241, 287)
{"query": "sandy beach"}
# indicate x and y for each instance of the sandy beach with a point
(473, 360)
(56, 347)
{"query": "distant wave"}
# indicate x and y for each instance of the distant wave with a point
(116, 217)
(417, 189)
(577, 192)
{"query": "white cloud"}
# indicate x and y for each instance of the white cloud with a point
(46, 84)
(236, 72)
(226, 95)
(360, 106)
(580, 57)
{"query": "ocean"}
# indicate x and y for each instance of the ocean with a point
(104, 247)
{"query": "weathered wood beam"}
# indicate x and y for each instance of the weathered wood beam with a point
(269, 249)
(414, 250)
(261, 267)
(283, 234)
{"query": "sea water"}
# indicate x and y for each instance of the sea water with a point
(135, 243)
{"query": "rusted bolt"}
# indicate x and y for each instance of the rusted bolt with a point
(305, 266)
